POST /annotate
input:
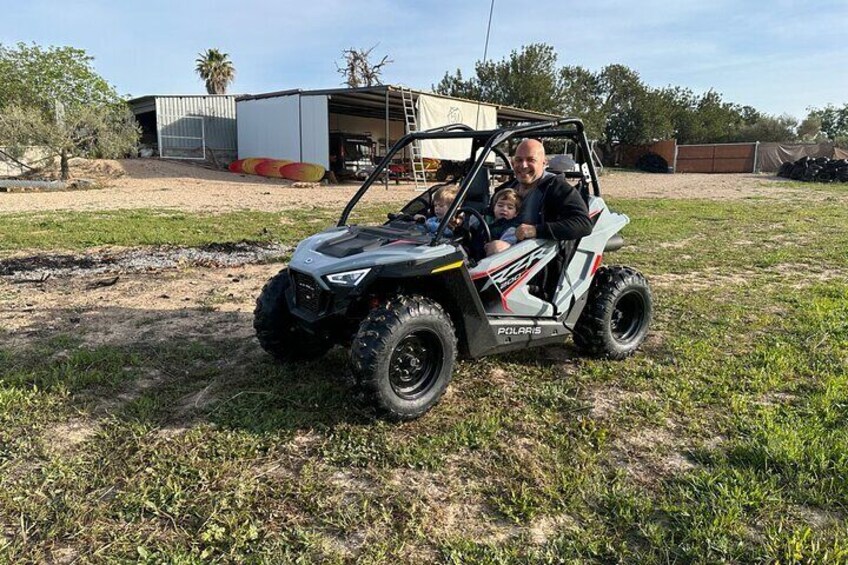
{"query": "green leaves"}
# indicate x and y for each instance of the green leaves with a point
(34, 76)
(52, 98)
(216, 69)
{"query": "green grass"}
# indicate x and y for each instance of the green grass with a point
(724, 440)
(80, 230)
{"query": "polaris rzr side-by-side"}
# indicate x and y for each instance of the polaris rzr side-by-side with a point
(407, 301)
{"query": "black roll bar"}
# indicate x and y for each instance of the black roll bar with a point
(493, 138)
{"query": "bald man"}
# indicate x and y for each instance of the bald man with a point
(550, 208)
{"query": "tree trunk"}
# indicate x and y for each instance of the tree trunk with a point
(64, 170)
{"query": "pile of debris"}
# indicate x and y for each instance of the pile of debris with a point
(652, 163)
(819, 169)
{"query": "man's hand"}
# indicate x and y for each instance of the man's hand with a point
(496, 247)
(525, 231)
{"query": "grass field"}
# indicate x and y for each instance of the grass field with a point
(724, 440)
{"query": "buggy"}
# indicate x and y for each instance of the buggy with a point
(408, 302)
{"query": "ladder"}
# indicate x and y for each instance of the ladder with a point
(418, 174)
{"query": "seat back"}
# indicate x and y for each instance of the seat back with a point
(478, 192)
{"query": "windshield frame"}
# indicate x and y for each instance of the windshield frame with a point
(482, 146)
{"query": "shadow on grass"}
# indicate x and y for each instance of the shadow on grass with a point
(174, 369)
(178, 368)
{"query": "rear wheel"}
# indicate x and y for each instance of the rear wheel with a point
(616, 318)
(404, 355)
(277, 330)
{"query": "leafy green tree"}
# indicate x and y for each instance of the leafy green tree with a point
(35, 76)
(769, 128)
(457, 86)
(636, 114)
(617, 107)
(528, 78)
(810, 128)
(582, 97)
(216, 69)
(54, 99)
(833, 120)
(707, 119)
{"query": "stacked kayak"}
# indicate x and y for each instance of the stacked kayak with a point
(278, 168)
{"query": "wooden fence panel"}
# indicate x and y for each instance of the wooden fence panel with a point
(718, 158)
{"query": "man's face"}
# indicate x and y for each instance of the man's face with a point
(505, 209)
(529, 162)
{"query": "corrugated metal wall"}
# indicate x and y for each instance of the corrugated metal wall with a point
(174, 121)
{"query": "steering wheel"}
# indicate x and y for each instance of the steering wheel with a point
(482, 227)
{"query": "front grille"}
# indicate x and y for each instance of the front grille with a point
(307, 293)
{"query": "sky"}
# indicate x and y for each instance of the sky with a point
(779, 56)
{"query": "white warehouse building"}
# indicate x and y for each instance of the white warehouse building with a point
(297, 124)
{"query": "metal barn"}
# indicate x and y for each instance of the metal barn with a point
(297, 124)
(189, 126)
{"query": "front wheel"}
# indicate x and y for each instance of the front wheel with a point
(403, 354)
(277, 330)
(616, 318)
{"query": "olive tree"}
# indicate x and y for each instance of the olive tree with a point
(54, 99)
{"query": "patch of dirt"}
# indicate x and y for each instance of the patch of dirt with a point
(542, 529)
(38, 268)
(651, 454)
(66, 437)
(145, 307)
(799, 275)
(647, 454)
(155, 183)
(605, 402)
(818, 518)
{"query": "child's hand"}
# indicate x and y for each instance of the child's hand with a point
(496, 247)
(456, 221)
(419, 218)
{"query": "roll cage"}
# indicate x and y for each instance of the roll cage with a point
(482, 144)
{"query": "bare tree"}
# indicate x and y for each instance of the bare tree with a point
(358, 70)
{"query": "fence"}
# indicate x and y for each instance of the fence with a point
(716, 158)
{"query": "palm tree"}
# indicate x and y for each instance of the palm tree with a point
(216, 69)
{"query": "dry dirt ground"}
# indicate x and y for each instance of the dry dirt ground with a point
(187, 300)
(151, 183)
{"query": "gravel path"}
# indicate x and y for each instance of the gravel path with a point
(151, 183)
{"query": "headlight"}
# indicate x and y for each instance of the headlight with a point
(348, 278)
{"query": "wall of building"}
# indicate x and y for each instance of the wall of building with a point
(269, 127)
(177, 123)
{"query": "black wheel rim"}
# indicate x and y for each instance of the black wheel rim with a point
(628, 317)
(415, 364)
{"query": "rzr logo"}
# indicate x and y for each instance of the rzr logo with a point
(507, 277)
(526, 330)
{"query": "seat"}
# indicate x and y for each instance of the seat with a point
(478, 191)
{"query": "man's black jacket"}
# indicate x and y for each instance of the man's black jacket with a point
(562, 215)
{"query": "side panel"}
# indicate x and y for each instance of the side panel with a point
(502, 279)
(577, 277)
(269, 127)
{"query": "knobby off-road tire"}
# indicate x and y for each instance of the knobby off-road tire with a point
(403, 354)
(277, 330)
(615, 320)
